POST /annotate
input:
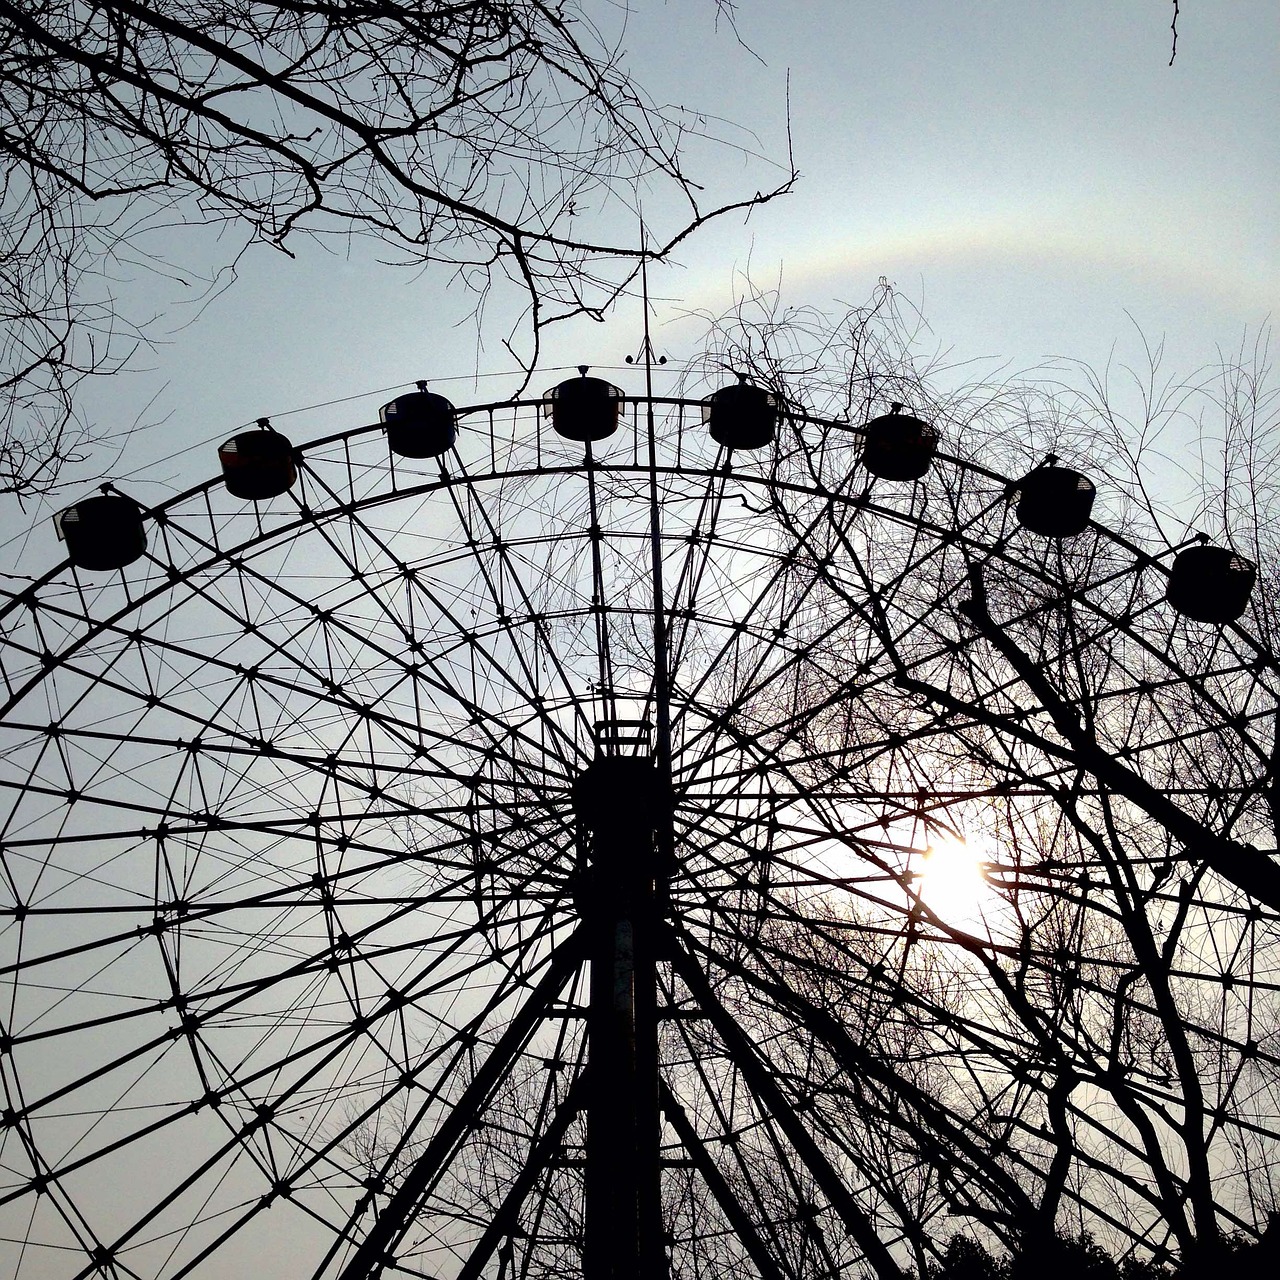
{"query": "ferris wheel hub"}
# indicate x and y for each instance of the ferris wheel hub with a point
(622, 798)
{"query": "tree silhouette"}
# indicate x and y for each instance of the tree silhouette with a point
(505, 139)
(1135, 799)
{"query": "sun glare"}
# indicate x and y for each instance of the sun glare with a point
(953, 881)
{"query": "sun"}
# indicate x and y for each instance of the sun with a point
(953, 880)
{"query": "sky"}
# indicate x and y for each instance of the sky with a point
(1037, 179)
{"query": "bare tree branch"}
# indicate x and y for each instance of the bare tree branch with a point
(503, 138)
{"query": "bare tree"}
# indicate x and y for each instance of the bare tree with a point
(501, 137)
(1018, 689)
(57, 325)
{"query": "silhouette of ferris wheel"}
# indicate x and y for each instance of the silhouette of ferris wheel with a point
(500, 842)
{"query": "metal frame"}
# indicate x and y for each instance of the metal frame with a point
(300, 908)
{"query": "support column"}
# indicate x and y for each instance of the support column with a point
(620, 804)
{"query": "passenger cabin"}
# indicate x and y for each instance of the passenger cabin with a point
(741, 416)
(584, 408)
(257, 465)
(103, 532)
(1054, 501)
(420, 424)
(1211, 584)
(899, 446)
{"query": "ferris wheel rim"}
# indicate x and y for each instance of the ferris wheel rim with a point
(339, 512)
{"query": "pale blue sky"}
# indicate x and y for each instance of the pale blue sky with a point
(1035, 176)
(1032, 171)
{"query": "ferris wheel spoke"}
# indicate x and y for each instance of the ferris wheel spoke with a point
(412, 733)
(1258, 879)
(227, 1152)
(766, 584)
(417, 671)
(790, 873)
(694, 562)
(831, 936)
(1084, 644)
(727, 1107)
(1105, 674)
(766, 1259)
(604, 654)
(504, 1219)
(778, 671)
(751, 699)
(774, 748)
(408, 672)
(388, 1227)
(835, 827)
(470, 501)
(291, 895)
(925, 1124)
(212, 1006)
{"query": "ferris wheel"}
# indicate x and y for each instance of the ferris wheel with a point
(628, 837)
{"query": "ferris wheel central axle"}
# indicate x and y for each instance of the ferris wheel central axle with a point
(623, 804)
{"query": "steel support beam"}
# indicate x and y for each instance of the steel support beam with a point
(760, 1080)
(619, 802)
(373, 1251)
